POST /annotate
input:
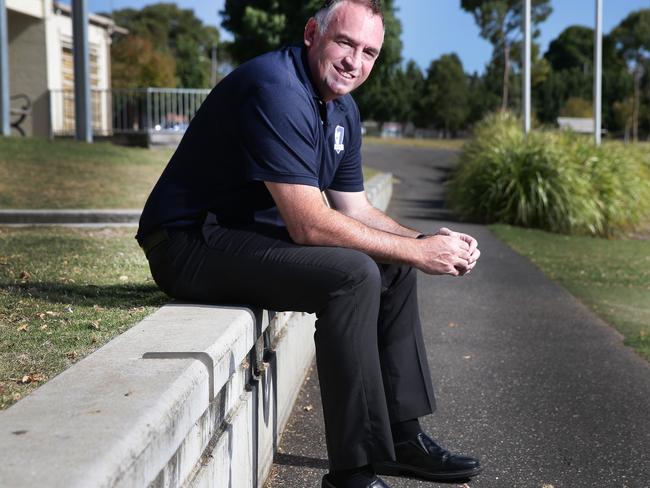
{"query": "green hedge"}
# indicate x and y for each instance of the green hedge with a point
(551, 180)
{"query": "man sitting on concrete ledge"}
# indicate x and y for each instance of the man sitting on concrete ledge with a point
(238, 217)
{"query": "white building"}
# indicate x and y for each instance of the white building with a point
(41, 65)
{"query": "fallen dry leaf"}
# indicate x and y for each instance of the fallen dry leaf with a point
(94, 324)
(43, 327)
(24, 276)
(22, 328)
(72, 355)
(31, 378)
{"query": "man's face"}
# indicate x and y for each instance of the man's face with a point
(341, 57)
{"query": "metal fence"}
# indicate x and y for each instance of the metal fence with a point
(129, 111)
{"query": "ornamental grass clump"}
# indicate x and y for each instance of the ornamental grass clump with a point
(551, 180)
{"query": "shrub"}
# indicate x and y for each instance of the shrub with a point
(551, 180)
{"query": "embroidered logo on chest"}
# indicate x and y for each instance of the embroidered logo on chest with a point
(339, 133)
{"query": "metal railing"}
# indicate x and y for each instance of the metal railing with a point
(129, 111)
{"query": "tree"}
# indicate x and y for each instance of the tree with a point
(573, 48)
(177, 33)
(135, 64)
(260, 26)
(632, 40)
(500, 22)
(570, 57)
(446, 94)
(408, 91)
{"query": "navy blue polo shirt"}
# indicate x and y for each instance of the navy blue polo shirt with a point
(263, 122)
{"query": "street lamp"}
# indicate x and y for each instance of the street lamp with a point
(598, 69)
(527, 68)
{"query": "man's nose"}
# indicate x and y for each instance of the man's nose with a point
(353, 60)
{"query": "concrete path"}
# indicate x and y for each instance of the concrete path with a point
(526, 377)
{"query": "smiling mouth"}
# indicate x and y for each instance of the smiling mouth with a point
(345, 74)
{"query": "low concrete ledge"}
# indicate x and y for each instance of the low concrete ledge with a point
(194, 395)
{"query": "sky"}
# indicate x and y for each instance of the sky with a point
(431, 28)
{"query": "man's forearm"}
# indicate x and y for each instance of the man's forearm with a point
(310, 222)
(383, 239)
(375, 218)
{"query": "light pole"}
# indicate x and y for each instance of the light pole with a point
(598, 71)
(83, 120)
(5, 128)
(526, 67)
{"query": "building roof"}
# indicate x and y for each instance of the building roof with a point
(95, 19)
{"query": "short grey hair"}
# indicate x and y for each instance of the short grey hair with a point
(324, 14)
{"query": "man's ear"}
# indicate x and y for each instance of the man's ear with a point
(310, 32)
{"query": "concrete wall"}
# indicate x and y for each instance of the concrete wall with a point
(28, 70)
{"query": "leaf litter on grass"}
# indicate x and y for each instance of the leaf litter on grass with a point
(49, 320)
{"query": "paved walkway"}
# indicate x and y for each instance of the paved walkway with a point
(526, 377)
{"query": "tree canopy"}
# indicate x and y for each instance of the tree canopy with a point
(446, 95)
(173, 33)
(169, 46)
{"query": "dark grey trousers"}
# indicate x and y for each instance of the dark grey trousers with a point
(370, 354)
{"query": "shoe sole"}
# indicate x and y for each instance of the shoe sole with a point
(390, 469)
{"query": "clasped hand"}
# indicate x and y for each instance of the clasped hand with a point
(449, 252)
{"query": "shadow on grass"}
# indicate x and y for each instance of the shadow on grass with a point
(123, 296)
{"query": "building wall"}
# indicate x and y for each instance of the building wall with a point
(28, 69)
(40, 43)
(60, 73)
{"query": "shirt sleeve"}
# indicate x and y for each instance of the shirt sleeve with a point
(278, 133)
(349, 174)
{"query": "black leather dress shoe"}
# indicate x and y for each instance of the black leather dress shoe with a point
(377, 483)
(423, 458)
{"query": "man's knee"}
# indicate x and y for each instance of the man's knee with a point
(398, 275)
(360, 270)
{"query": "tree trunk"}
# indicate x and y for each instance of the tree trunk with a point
(506, 75)
(638, 73)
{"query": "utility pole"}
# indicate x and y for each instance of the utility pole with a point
(82, 110)
(527, 67)
(598, 72)
(5, 127)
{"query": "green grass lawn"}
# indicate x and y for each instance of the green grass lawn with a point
(63, 294)
(611, 277)
(38, 173)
